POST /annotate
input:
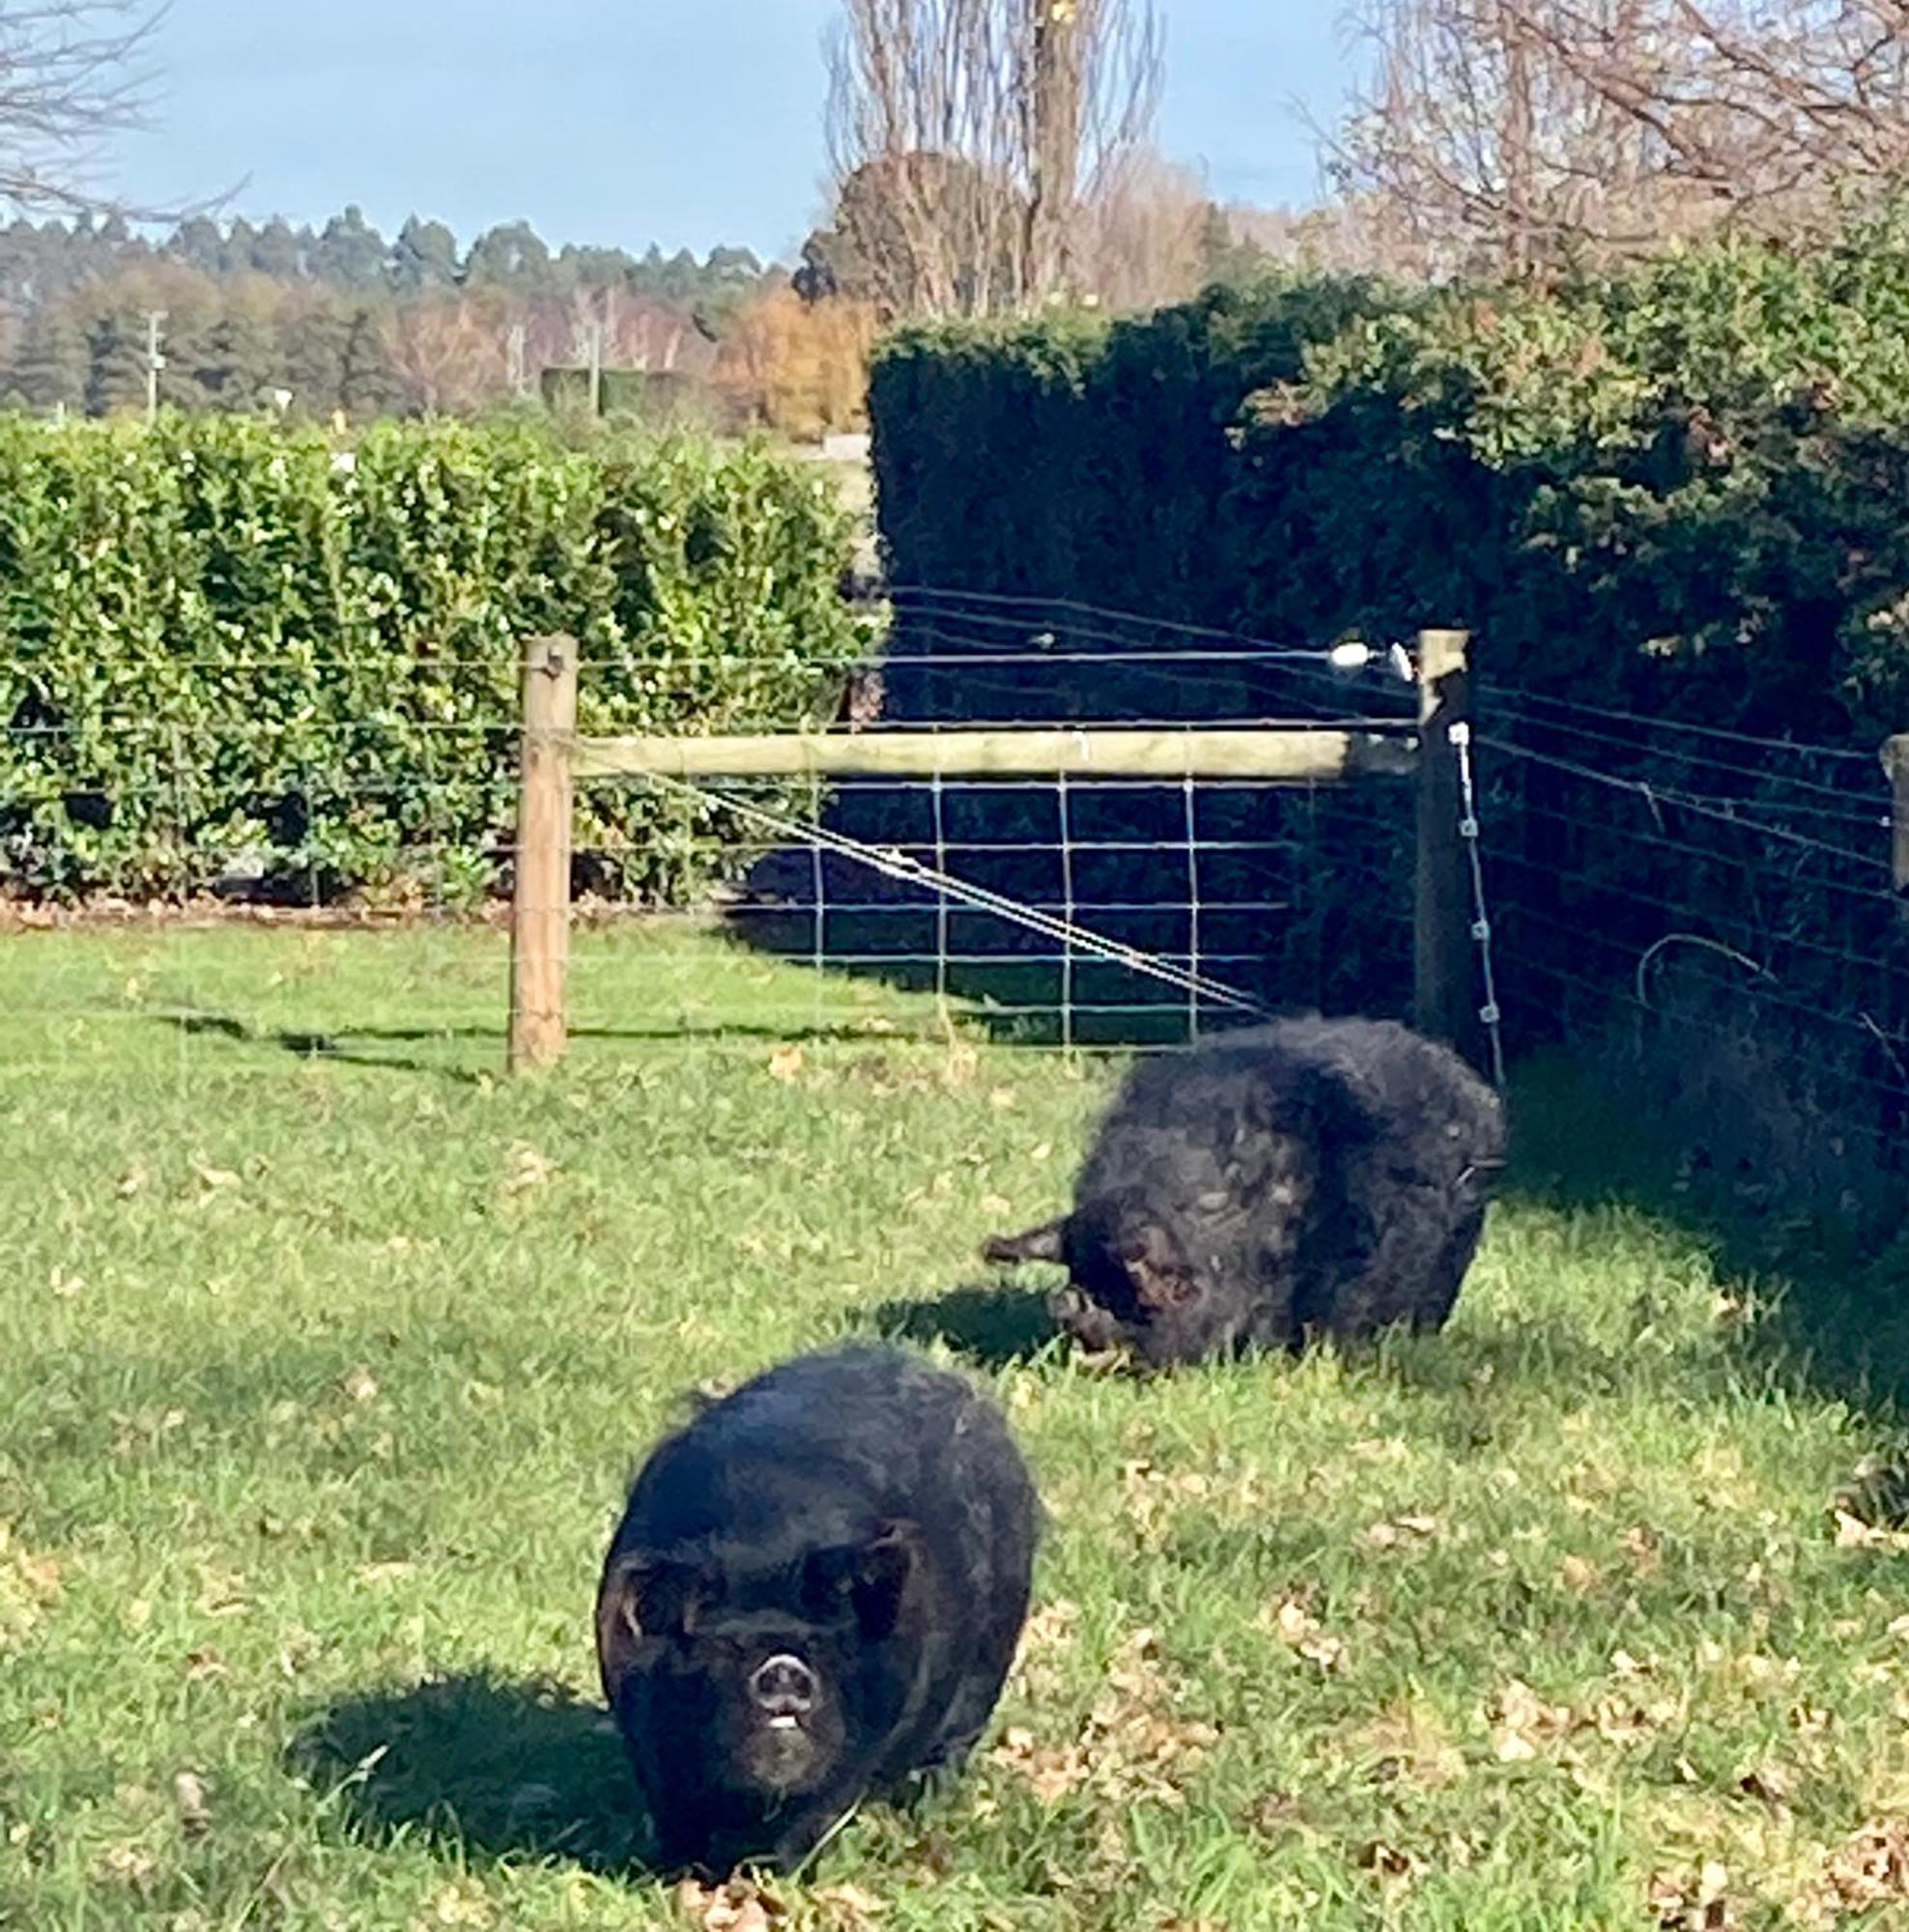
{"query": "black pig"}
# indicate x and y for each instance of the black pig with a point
(1307, 1177)
(815, 1590)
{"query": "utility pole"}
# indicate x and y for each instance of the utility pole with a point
(155, 362)
(588, 337)
(514, 373)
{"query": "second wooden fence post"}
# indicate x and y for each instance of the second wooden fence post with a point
(540, 908)
(1443, 1004)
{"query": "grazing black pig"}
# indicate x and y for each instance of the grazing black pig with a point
(1310, 1176)
(815, 1590)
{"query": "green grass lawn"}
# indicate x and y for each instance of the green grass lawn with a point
(325, 1355)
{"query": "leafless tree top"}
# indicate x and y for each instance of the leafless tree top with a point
(1521, 128)
(72, 72)
(969, 139)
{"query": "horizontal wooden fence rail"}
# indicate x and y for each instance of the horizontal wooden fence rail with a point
(1293, 754)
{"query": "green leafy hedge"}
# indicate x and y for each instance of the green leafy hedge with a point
(1084, 457)
(219, 639)
(1672, 488)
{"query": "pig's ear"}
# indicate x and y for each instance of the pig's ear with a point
(641, 1597)
(1047, 1244)
(873, 1576)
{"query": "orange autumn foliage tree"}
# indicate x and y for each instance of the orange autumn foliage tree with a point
(800, 368)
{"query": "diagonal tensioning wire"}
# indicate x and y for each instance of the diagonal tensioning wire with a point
(895, 864)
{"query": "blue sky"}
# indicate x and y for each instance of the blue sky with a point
(622, 120)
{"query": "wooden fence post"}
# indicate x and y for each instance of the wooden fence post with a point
(540, 909)
(1895, 762)
(1444, 1004)
(1894, 1105)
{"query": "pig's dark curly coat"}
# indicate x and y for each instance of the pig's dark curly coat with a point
(1308, 1178)
(857, 1523)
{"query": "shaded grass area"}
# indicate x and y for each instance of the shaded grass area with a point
(325, 1355)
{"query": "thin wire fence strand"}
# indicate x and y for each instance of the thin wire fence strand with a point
(1762, 774)
(1491, 689)
(1703, 807)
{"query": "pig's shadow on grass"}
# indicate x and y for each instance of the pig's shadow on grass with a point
(993, 1326)
(481, 1766)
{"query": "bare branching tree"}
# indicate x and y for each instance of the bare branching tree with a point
(1517, 132)
(971, 140)
(1143, 243)
(72, 74)
(1352, 235)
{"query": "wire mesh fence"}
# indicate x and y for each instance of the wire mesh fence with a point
(1719, 911)
(1083, 910)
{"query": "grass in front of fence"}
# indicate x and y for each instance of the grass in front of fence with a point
(323, 1356)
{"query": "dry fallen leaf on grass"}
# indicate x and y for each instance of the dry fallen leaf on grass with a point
(1391, 1865)
(1296, 1627)
(1641, 1545)
(222, 1591)
(1682, 1903)
(1290, 1621)
(1871, 1867)
(384, 1573)
(1044, 1636)
(1050, 1626)
(1523, 1724)
(1136, 1743)
(1407, 1741)
(461, 1902)
(739, 1906)
(1051, 1772)
(359, 1385)
(1768, 1785)
(29, 1585)
(1402, 1529)
(529, 1169)
(1853, 1533)
(188, 1794)
(847, 1908)
(127, 1864)
(1273, 1814)
(1152, 1496)
(1620, 1722)
(39, 1576)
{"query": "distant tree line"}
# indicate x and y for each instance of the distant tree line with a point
(340, 317)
